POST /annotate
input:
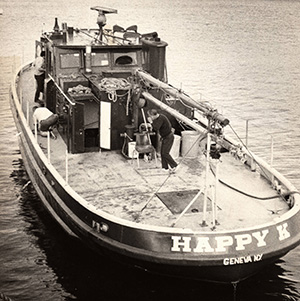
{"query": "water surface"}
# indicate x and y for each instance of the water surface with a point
(241, 55)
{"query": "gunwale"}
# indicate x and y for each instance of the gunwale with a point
(289, 213)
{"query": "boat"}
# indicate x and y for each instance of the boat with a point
(223, 216)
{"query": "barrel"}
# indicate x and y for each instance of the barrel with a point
(175, 150)
(190, 144)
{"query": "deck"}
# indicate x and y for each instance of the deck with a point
(117, 186)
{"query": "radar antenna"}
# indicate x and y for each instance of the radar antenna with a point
(101, 20)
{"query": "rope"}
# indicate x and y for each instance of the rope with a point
(111, 85)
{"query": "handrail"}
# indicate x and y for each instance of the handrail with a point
(61, 91)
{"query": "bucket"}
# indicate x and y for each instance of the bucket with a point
(131, 149)
(174, 152)
(190, 145)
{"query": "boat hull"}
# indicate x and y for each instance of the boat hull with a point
(227, 257)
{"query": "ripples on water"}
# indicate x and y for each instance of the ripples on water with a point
(242, 56)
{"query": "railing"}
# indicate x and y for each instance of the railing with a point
(61, 91)
(27, 114)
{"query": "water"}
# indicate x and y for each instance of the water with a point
(241, 55)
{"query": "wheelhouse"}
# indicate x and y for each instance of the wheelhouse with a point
(90, 81)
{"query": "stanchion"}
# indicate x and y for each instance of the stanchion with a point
(67, 167)
(21, 97)
(214, 205)
(48, 146)
(272, 157)
(204, 224)
(35, 130)
(247, 132)
(27, 111)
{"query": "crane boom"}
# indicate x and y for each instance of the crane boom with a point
(209, 112)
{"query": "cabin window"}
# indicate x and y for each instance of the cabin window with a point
(70, 60)
(122, 59)
(99, 59)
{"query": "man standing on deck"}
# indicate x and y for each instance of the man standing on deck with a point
(162, 125)
(39, 75)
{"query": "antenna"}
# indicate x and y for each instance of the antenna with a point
(101, 20)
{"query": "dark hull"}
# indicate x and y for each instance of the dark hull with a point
(155, 249)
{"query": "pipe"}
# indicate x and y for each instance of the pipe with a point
(48, 146)
(207, 110)
(172, 111)
(27, 108)
(64, 28)
(61, 91)
(214, 207)
(247, 132)
(88, 53)
(204, 224)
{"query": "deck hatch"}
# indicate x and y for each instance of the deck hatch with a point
(177, 201)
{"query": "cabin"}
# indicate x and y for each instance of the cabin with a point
(91, 83)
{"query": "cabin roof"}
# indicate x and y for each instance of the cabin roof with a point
(83, 37)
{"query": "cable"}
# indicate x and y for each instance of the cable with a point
(253, 196)
(257, 197)
(266, 176)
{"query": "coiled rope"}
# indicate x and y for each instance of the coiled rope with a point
(111, 84)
